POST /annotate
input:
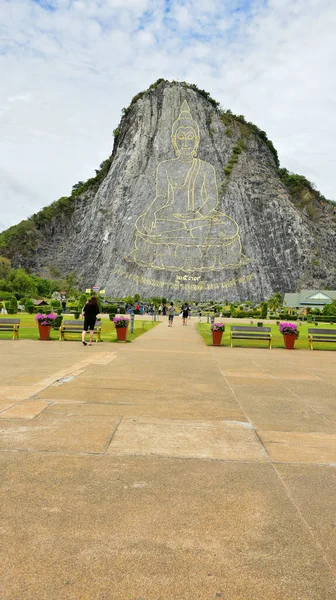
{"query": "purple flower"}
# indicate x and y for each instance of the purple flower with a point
(288, 328)
(217, 327)
(45, 319)
(120, 322)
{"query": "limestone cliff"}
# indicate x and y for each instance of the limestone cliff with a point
(191, 204)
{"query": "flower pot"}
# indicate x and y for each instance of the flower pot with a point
(217, 338)
(289, 340)
(44, 331)
(121, 333)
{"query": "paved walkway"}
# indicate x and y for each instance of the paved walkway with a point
(167, 470)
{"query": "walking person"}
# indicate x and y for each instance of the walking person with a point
(171, 312)
(89, 312)
(185, 313)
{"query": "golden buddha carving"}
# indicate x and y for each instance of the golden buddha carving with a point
(182, 229)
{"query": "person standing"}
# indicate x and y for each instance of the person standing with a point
(185, 313)
(171, 312)
(63, 305)
(90, 312)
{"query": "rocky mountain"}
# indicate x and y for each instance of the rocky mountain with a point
(192, 203)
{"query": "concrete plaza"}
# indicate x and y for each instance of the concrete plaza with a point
(167, 470)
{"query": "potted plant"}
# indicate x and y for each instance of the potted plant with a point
(290, 333)
(121, 324)
(217, 330)
(44, 323)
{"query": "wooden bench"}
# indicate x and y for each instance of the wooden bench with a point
(320, 335)
(10, 325)
(76, 326)
(246, 332)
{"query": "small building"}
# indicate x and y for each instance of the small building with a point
(40, 302)
(307, 299)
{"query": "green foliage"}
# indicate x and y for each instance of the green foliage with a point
(23, 239)
(275, 301)
(330, 309)
(246, 129)
(55, 304)
(5, 295)
(236, 151)
(156, 83)
(264, 307)
(81, 301)
(12, 306)
(93, 183)
(56, 324)
(109, 309)
(302, 192)
(5, 267)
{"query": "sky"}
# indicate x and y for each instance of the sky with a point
(68, 67)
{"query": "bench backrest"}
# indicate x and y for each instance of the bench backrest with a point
(249, 328)
(78, 323)
(322, 331)
(10, 321)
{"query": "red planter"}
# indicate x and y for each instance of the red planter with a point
(44, 331)
(217, 338)
(121, 333)
(289, 340)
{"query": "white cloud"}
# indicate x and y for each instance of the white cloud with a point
(67, 73)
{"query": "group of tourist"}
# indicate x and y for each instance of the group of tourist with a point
(91, 310)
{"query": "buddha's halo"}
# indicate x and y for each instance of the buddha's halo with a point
(185, 120)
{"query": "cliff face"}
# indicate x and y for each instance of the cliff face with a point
(192, 206)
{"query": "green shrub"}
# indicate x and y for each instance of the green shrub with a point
(55, 304)
(264, 308)
(57, 322)
(109, 308)
(12, 306)
(111, 316)
(45, 310)
(76, 314)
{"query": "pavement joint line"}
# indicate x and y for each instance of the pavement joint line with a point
(112, 436)
(73, 371)
(243, 410)
(301, 399)
(305, 522)
(272, 463)
(167, 457)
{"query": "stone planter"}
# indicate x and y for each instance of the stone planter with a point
(289, 340)
(217, 338)
(44, 331)
(121, 333)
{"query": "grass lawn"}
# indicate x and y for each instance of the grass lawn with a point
(29, 330)
(277, 338)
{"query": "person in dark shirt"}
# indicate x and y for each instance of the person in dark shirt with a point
(90, 312)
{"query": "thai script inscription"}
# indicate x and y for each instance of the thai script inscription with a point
(192, 287)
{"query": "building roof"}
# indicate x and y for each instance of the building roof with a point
(310, 298)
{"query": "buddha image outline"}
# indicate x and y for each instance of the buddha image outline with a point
(182, 230)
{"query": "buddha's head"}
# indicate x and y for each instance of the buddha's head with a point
(185, 134)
